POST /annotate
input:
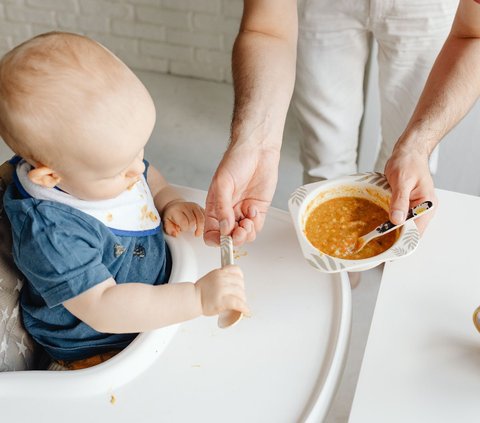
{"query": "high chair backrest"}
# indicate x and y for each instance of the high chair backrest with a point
(17, 350)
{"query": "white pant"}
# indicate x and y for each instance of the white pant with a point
(333, 49)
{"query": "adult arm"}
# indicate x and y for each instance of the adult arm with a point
(263, 66)
(450, 91)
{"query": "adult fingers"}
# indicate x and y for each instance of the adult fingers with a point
(427, 193)
(223, 208)
(219, 214)
(400, 201)
(249, 226)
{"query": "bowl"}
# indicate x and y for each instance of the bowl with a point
(372, 186)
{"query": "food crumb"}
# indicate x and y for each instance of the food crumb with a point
(239, 253)
(152, 216)
(113, 399)
(143, 212)
(109, 217)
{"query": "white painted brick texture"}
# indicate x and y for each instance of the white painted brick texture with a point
(184, 37)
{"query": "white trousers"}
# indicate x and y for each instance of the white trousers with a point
(333, 49)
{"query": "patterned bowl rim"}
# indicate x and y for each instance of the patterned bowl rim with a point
(406, 243)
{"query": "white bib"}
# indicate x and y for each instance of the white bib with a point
(132, 213)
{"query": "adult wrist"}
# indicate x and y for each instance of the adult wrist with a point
(420, 137)
(415, 141)
(263, 134)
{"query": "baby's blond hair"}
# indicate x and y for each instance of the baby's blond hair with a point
(58, 89)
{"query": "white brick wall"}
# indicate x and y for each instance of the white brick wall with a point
(184, 37)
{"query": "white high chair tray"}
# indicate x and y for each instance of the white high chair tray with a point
(281, 365)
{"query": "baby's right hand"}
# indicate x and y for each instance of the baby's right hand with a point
(222, 289)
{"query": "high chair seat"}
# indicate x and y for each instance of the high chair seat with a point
(17, 349)
(281, 365)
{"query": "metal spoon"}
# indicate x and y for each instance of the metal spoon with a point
(229, 317)
(388, 226)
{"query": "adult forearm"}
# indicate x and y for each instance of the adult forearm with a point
(451, 89)
(263, 69)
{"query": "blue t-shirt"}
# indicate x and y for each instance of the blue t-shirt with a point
(63, 252)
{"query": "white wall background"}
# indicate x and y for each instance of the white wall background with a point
(182, 37)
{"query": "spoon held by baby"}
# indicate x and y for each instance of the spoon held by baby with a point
(229, 317)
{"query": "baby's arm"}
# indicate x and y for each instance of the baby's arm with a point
(177, 214)
(136, 307)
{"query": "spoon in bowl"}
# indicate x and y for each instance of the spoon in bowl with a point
(388, 226)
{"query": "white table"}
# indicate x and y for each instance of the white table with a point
(422, 359)
(281, 365)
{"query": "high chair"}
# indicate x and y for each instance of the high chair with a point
(281, 365)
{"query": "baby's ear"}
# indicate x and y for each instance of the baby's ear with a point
(44, 176)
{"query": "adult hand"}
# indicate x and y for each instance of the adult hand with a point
(240, 193)
(408, 173)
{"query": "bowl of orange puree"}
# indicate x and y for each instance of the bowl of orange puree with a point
(329, 217)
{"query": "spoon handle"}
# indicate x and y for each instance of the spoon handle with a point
(229, 317)
(413, 213)
(388, 226)
(226, 250)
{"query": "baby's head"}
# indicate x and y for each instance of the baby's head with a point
(75, 112)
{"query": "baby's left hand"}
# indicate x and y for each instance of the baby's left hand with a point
(181, 216)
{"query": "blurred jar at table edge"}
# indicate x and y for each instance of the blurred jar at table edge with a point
(476, 318)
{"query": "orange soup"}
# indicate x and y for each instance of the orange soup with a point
(335, 225)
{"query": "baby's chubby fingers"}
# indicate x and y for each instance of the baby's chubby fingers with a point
(186, 216)
(231, 280)
(233, 302)
(222, 289)
(234, 270)
(234, 297)
(171, 228)
(182, 219)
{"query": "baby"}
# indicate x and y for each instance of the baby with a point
(87, 210)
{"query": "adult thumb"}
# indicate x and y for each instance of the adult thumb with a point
(399, 203)
(219, 204)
